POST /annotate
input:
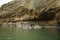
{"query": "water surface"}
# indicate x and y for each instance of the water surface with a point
(16, 33)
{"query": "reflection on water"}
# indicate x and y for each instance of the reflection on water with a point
(16, 33)
(29, 25)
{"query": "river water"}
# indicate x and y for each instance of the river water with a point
(17, 33)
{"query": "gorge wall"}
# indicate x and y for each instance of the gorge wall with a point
(32, 10)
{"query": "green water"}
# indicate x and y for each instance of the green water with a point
(16, 33)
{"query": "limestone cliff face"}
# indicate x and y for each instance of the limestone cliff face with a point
(38, 4)
(35, 10)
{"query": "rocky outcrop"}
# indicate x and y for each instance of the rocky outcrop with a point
(14, 12)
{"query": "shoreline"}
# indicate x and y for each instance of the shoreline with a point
(30, 25)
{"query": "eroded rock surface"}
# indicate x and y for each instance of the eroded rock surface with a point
(31, 10)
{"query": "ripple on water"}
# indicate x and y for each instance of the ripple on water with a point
(9, 38)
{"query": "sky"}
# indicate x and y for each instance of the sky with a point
(4, 1)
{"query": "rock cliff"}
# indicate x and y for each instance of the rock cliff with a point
(22, 10)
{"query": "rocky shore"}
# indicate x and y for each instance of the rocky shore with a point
(29, 25)
(17, 15)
